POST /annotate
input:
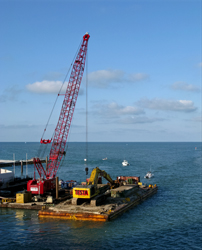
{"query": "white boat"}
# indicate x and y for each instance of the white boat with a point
(125, 163)
(148, 175)
(104, 159)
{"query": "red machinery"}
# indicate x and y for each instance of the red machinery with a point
(46, 182)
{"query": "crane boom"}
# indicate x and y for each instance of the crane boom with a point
(62, 129)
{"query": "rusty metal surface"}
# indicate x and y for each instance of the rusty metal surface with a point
(73, 216)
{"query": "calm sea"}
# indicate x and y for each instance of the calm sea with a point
(171, 219)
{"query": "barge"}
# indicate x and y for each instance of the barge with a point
(90, 201)
(117, 201)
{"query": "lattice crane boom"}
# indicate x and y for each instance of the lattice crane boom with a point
(62, 129)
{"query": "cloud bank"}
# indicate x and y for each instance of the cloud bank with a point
(185, 86)
(114, 110)
(99, 79)
(106, 78)
(119, 114)
(172, 105)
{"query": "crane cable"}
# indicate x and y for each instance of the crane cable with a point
(86, 159)
(40, 151)
(87, 106)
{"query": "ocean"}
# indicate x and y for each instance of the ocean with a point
(171, 219)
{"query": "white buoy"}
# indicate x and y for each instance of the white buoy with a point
(85, 159)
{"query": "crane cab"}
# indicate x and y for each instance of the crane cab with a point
(41, 186)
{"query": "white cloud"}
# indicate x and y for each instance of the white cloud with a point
(46, 87)
(200, 65)
(184, 86)
(173, 105)
(100, 79)
(105, 78)
(137, 77)
(121, 110)
(114, 110)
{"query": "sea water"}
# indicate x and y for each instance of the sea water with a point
(171, 219)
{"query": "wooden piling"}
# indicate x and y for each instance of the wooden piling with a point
(57, 186)
(46, 163)
(21, 167)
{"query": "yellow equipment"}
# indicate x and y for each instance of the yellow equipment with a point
(93, 189)
(93, 180)
(9, 200)
(23, 197)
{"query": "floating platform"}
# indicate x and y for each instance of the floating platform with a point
(117, 201)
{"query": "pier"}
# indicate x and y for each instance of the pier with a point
(11, 163)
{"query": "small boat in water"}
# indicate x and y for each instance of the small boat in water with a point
(125, 163)
(148, 175)
(104, 159)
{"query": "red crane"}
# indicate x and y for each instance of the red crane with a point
(47, 177)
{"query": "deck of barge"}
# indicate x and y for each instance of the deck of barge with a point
(110, 209)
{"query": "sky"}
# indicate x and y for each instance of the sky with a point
(142, 78)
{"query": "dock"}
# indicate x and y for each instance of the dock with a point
(10, 163)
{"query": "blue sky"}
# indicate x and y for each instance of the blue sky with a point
(143, 69)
